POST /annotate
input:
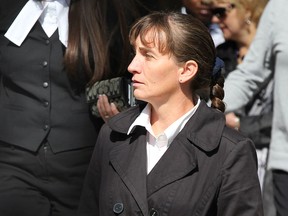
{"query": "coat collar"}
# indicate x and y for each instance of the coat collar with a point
(206, 134)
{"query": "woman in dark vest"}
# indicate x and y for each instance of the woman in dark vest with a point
(47, 133)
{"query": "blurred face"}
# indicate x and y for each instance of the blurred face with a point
(230, 20)
(155, 75)
(199, 9)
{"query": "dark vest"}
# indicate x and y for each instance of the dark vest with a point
(37, 99)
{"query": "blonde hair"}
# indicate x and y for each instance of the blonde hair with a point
(255, 7)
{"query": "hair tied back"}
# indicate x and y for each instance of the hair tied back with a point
(218, 67)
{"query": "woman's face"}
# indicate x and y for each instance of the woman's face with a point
(155, 75)
(230, 20)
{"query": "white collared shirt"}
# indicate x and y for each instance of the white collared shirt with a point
(157, 146)
(52, 14)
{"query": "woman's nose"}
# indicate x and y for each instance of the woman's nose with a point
(215, 19)
(133, 67)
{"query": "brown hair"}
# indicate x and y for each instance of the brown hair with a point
(185, 38)
(98, 45)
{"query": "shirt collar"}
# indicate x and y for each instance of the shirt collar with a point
(30, 14)
(172, 131)
(142, 120)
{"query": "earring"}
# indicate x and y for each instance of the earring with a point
(248, 21)
(180, 80)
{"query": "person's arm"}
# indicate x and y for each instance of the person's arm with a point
(241, 84)
(240, 193)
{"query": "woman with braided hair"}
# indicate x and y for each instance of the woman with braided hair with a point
(172, 155)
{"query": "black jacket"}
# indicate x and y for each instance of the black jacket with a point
(208, 170)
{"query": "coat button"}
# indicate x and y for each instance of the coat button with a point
(46, 104)
(118, 208)
(45, 127)
(44, 63)
(154, 212)
(45, 84)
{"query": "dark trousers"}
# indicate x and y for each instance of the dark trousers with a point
(280, 187)
(41, 183)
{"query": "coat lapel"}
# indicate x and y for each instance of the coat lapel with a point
(129, 161)
(202, 132)
(179, 160)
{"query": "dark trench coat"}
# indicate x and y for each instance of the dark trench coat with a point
(208, 170)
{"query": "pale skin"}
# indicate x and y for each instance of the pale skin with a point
(159, 80)
(105, 108)
(163, 82)
(232, 121)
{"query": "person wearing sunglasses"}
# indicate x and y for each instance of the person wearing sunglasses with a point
(238, 20)
(221, 12)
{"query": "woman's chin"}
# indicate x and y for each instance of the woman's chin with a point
(139, 96)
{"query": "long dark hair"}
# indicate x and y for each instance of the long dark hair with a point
(98, 45)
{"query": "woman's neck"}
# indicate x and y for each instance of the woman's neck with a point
(163, 116)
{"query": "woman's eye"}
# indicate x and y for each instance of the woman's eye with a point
(148, 55)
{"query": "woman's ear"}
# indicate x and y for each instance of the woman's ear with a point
(188, 71)
(247, 18)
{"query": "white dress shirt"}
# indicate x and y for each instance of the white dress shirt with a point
(52, 14)
(157, 146)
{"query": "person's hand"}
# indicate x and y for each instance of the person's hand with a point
(232, 120)
(105, 108)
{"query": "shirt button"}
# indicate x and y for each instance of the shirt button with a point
(118, 208)
(45, 63)
(153, 212)
(45, 84)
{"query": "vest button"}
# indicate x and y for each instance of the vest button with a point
(47, 42)
(118, 208)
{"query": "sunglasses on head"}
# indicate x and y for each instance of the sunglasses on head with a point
(221, 12)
